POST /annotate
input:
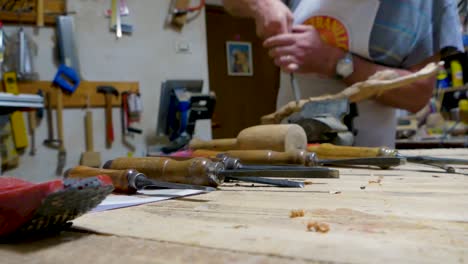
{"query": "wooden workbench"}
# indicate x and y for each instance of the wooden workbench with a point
(415, 214)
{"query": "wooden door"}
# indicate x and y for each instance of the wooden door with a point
(240, 100)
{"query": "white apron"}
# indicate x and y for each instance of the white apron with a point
(346, 24)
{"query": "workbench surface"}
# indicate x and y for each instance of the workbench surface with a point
(411, 214)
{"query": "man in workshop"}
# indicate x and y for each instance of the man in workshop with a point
(331, 44)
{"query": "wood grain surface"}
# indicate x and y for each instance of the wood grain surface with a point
(412, 214)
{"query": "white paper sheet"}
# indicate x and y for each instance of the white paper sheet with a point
(114, 201)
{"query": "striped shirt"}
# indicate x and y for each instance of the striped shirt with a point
(407, 32)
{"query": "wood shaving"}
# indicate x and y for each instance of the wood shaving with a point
(308, 182)
(318, 227)
(378, 181)
(297, 213)
(334, 192)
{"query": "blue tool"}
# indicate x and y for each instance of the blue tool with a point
(66, 78)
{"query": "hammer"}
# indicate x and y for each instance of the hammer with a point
(108, 92)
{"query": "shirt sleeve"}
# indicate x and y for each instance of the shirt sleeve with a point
(445, 32)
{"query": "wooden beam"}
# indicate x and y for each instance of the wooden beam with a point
(78, 98)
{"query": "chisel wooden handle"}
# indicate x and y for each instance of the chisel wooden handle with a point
(330, 151)
(197, 171)
(297, 157)
(216, 144)
(119, 177)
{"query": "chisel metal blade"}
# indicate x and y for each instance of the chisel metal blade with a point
(142, 183)
(275, 182)
(434, 160)
(282, 172)
(382, 162)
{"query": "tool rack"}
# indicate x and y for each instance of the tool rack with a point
(78, 98)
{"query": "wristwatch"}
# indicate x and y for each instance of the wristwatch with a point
(345, 66)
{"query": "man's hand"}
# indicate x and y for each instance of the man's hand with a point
(272, 17)
(303, 51)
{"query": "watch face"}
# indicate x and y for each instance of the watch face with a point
(345, 67)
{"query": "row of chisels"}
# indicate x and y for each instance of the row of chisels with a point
(206, 170)
(258, 166)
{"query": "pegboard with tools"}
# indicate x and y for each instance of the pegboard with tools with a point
(79, 98)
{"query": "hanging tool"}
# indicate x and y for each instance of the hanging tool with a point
(108, 92)
(67, 79)
(40, 13)
(129, 180)
(29, 208)
(90, 157)
(17, 121)
(9, 155)
(50, 142)
(25, 69)
(179, 11)
(66, 43)
(278, 137)
(32, 129)
(116, 18)
(62, 154)
(201, 171)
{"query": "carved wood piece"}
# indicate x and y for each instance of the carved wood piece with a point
(378, 83)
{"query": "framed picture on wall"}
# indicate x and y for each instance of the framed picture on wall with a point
(239, 58)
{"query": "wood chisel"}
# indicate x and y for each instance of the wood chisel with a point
(202, 171)
(336, 152)
(297, 157)
(129, 180)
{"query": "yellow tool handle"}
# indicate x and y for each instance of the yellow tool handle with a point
(216, 144)
(296, 157)
(40, 13)
(196, 171)
(119, 177)
(330, 151)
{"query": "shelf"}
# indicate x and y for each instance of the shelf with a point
(78, 98)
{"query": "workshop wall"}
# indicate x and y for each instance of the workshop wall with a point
(148, 56)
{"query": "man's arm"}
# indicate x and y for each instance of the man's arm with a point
(304, 51)
(412, 97)
(271, 17)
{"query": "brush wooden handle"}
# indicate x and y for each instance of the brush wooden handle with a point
(197, 171)
(330, 151)
(119, 177)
